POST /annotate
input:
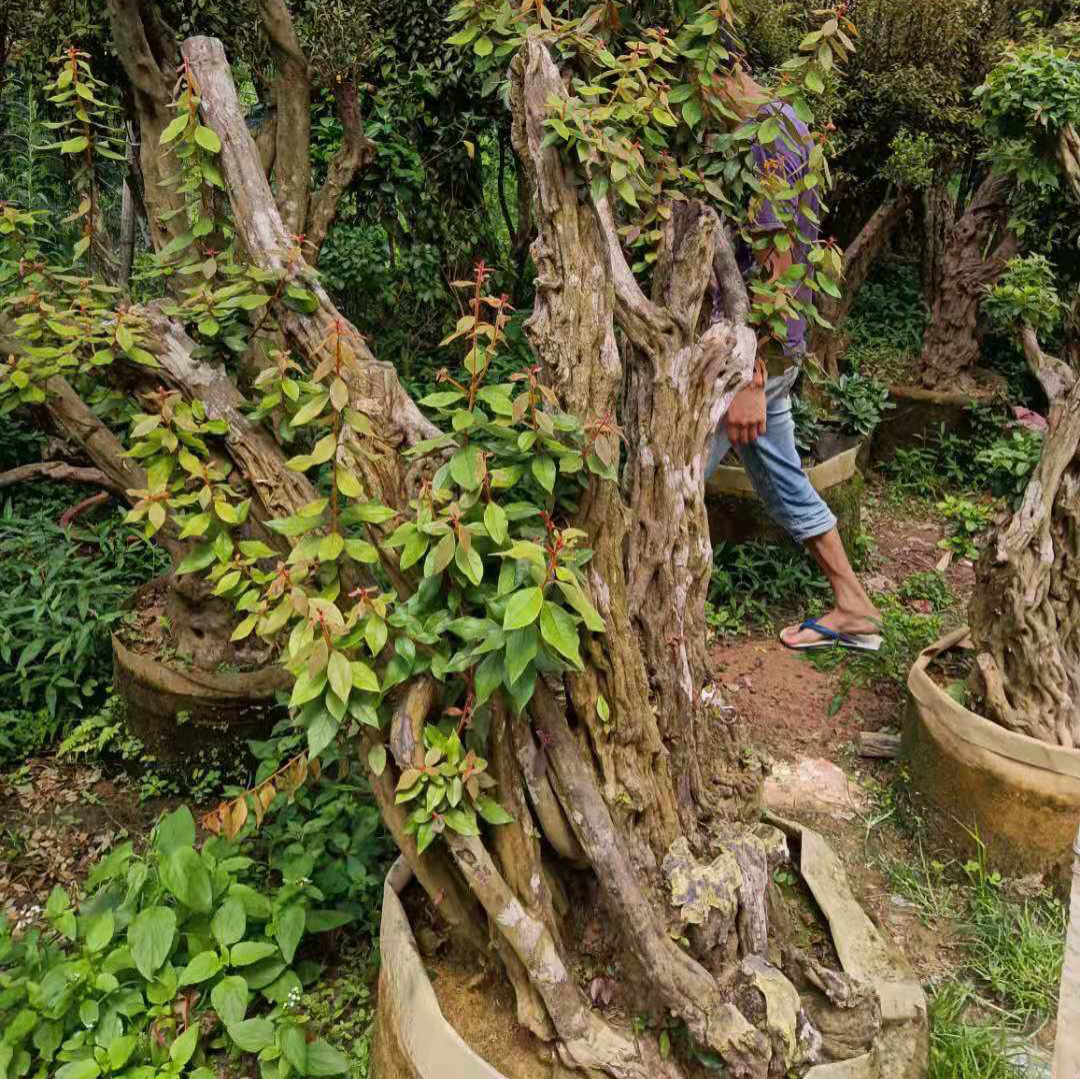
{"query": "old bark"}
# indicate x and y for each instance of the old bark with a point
(859, 258)
(1025, 614)
(977, 248)
(650, 788)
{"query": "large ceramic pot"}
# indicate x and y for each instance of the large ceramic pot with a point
(737, 514)
(1019, 796)
(413, 1039)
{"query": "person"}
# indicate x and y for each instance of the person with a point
(759, 422)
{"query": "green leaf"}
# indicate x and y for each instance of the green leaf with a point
(559, 629)
(205, 965)
(307, 687)
(462, 821)
(100, 931)
(580, 602)
(176, 127)
(75, 145)
(184, 874)
(377, 758)
(521, 648)
(492, 812)
(199, 559)
(691, 112)
(150, 937)
(79, 1069)
(488, 676)
(543, 468)
(319, 921)
(324, 1059)
(208, 139)
(251, 951)
(252, 1035)
(363, 677)
(288, 929)
(340, 675)
(229, 922)
(230, 999)
(294, 1047)
(466, 468)
(120, 1050)
(523, 608)
(183, 1049)
(603, 709)
(321, 732)
(483, 46)
(495, 522)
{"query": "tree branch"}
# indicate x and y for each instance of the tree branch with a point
(1054, 375)
(60, 471)
(292, 95)
(374, 387)
(356, 153)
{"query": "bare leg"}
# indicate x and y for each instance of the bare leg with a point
(854, 612)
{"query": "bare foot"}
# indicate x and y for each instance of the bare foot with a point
(838, 620)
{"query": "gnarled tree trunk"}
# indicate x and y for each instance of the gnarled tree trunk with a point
(655, 789)
(1025, 615)
(976, 250)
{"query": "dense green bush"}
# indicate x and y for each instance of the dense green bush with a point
(64, 590)
(177, 961)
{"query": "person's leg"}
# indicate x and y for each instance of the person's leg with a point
(774, 467)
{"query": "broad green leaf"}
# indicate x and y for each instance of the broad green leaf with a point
(521, 648)
(288, 929)
(560, 630)
(377, 758)
(205, 965)
(230, 999)
(321, 732)
(294, 1047)
(319, 921)
(100, 931)
(229, 922)
(175, 128)
(543, 468)
(488, 676)
(580, 602)
(150, 937)
(208, 139)
(495, 522)
(307, 687)
(339, 675)
(363, 677)
(492, 812)
(523, 608)
(79, 1069)
(323, 1059)
(120, 1050)
(466, 468)
(251, 951)
(183, 1049)
(185, 875)
(252, 1035)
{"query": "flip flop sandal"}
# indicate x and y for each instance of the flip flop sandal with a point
(858, 642)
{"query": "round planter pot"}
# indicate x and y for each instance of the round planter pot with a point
(737, 514)
(1019, 796)
(920, 416)
(413, 1040)
(184, 715)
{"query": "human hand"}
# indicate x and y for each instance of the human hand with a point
(745, 419)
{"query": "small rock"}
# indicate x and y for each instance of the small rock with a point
(813, 786)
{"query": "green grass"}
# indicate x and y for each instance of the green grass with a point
(961, 1049)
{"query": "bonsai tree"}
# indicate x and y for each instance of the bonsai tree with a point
(496, 593)
(1023, 613)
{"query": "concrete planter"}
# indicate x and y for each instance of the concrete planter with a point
(414, 1041)
(1019, 795)
(183, 716)
(919, 417)
(737, 515)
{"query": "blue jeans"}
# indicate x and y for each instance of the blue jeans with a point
(775, 469)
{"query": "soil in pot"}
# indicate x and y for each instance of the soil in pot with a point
(182, 712)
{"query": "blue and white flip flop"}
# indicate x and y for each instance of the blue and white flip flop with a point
(831, 638)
